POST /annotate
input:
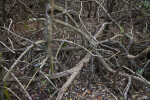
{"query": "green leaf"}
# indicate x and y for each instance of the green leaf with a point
(141, 16)
(66, 89)
(140, 71)
(121, 29)
(64, 44)
(6, 94)
(47, 74)
(44, 82)
(48, 90)
(121, 98)
(121, 41)
(25, 26)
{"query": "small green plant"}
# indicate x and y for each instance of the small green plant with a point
(44, 82)
(144, 5)
(122, 98)
(140, 71)
(26, 26)
(48, 90)
(121, 29)
(64, 44)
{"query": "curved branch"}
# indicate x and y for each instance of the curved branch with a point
(143, 53)
(143, 82)
(67, 14)
(75, 29)
(74, 74)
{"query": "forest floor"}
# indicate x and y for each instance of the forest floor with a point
(90, 83)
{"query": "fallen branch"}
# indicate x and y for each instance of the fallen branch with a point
(135, 78)
(21, 85)
(74, 74)
(53, 76)
(143, 53)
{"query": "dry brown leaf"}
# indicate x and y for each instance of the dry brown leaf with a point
(88, 91)
(99, 98)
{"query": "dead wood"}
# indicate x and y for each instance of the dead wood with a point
(74, 74)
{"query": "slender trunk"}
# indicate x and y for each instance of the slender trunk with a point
(49, 24)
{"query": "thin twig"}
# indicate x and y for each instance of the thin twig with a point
(127, 88)
(48, 79)
(19, 84)
(7, 47)
(61, 40)
(122, 31)
(43, 63)
(17, 35)
(16, 62)
(11, 43)
(12, 92)
(83, 23)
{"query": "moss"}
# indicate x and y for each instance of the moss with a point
(4, 92)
